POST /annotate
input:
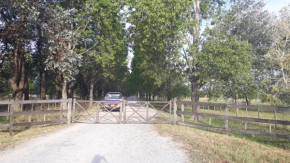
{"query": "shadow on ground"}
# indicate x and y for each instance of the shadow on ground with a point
(99, 159)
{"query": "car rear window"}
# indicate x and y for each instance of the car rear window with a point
(113, 96)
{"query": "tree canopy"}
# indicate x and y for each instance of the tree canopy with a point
(64, 49)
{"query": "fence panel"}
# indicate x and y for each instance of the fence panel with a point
(212, 115)
(34, 112)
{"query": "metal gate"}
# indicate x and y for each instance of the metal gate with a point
(147, 112)
(122, 112)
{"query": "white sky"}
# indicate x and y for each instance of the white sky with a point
(276, 5)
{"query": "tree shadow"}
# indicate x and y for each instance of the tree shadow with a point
(99, 159)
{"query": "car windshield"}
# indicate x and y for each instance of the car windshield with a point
(113, 96)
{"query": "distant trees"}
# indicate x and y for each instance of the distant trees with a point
(155, 39)
(104, 45)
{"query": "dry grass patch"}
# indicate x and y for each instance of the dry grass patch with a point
(204, 146)
(24, 134)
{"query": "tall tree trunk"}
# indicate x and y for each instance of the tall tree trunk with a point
(247, 100)
(236, 103)
(70, 91)
(64, 92)
(17, 80)
(54, 94)
(91, 92)
(195, 98)
(26, 92)
(195, 41)
(26, 89)
(42, 85)
(41, 61)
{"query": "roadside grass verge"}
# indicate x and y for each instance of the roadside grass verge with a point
(204, 146)
(23, 134)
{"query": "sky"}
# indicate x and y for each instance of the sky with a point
(275, 5)
(271, 5)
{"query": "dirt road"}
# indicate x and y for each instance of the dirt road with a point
(98, 143)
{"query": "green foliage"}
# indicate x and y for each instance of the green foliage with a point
(103, 44)
(155, 26)
(252, 26)
(5, 88)
(277, 80)
(63, 58)
(241, 55)
(225, 65)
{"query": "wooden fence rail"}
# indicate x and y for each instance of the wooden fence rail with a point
(227, 117)
(11, 113)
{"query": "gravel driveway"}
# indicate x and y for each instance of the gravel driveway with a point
(98, 143)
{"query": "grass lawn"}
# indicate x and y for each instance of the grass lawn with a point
(204, 146)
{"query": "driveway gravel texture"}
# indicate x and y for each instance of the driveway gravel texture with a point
(98, 143)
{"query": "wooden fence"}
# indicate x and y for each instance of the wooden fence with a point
(226, 117)
(10, 114)
(179, 113)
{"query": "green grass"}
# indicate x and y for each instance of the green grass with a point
(255, 126)
(204, 146)
(231, 101)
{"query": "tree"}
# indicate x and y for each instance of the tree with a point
(62, 59)
(196, 12)
(155, 31)
(224, 63)
(278, 58)
(105, 36)
(17, 23)
(251, 25)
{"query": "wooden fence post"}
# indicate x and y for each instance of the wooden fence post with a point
(226, 120)
(61, 111)
(147, 111)
(98, 112)
(69, 111)
(259, 116)
(124, 113)
(246, 123)
(11, 121)
(170, 107)
(182, 115)
(174, 112)
(275, 119)
(8, 110)
(123, 110)
(74, 110)
(120, 112)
